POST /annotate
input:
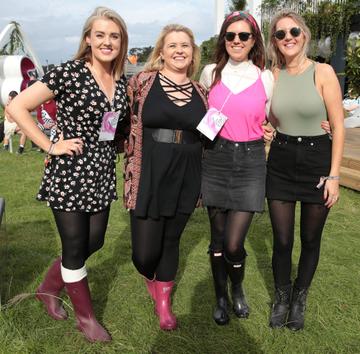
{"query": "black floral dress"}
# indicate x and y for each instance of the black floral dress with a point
(86, 182)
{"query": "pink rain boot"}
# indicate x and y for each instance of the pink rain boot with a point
(49, 290)
(79, 294)
(163, 305)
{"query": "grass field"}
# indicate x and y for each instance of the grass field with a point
(29, 242)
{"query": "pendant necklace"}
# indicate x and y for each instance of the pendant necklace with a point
(102, 86)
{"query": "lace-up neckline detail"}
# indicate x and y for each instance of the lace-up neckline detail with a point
(179, 94)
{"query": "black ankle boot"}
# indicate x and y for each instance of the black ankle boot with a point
(218, 268)
(297, 309)
(236, 273)
(280, 307)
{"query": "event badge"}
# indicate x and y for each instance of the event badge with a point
(108, 126)
(212, 122)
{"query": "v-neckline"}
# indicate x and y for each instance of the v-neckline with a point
(112, 101)
(245, 89)
(169, 99)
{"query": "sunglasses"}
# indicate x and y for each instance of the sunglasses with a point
(281, 34)
(243, 36)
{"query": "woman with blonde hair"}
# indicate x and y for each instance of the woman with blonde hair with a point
(303, 163)
(163, 161)
(79, 182)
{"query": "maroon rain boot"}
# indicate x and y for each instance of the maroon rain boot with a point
(163, 305)
(79, 294)
(49, 290)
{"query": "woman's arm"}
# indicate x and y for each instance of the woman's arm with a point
(332, 96)
(207, 75)
(19, 110)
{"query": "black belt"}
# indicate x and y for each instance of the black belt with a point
(300, 139)
(220, 143)
(174, 136)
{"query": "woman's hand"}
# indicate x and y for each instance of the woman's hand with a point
(68, 146)
(331, 192)
(268, 132)
(326, 126)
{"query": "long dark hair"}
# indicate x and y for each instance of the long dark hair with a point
(257, 52)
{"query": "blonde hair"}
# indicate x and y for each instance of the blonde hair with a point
(84, 51)
(276, 57)
(154, 61)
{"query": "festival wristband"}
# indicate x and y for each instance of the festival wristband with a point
(324, 178)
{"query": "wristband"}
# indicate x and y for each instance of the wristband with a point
(324, 178)
(51, 149)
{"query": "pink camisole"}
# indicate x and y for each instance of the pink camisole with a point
(245, 110)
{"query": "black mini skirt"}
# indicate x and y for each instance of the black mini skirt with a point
(295, 165)
(233, 175)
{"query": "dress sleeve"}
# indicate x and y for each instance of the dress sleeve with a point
(207, 76)
(268, 80)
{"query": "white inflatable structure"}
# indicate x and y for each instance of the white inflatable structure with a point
(14, 74)
(15, 70)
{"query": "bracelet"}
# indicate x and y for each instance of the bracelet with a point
(51, 149)
(324, 178)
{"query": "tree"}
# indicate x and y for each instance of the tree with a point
(207, 50)
(141, 53)
(14, 44)
(237, 5)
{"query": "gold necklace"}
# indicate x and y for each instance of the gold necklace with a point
(299, 67)
(101, 84)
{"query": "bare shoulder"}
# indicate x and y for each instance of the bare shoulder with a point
(325, 71)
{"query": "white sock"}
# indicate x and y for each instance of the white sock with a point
(73, 276)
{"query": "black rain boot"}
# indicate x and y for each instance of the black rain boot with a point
(297, 309)
(218, 268)
(281, 306)
(236, 273)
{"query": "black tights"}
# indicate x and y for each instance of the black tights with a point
(228, 232)
(155, 245)
(312, 221)
(81, 235)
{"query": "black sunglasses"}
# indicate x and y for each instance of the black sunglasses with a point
(243, 36)
(281, 34)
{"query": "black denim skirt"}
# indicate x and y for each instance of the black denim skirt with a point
(233, 175)
(295, 165)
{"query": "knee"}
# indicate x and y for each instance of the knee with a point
(310, 245)
(282, 247)
(74, 258)
(235, 255)
(95, 246)
(144, 265)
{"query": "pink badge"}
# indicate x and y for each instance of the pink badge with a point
(108, 126)
(212, 123)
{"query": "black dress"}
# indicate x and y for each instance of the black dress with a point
(86, 182)
(170, 173)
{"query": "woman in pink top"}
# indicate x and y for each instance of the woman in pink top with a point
(234, 167)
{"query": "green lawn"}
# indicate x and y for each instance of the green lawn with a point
(29, 242)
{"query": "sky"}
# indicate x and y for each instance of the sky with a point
(53, 27)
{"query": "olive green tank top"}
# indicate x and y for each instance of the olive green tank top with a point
(297, 104)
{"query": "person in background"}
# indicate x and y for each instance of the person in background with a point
(163, 161)
(234, 166)
(46, 117)
(303, 163)
(79, 183)
(11, 128)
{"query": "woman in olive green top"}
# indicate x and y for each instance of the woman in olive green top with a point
(303, 163)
